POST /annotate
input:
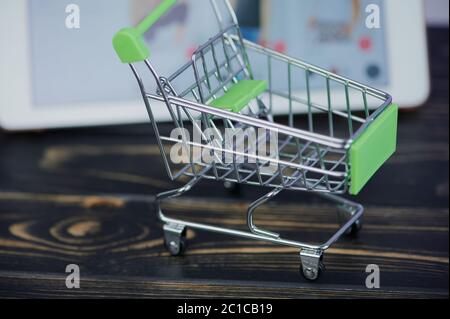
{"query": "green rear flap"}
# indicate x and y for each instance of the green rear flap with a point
(373, 148)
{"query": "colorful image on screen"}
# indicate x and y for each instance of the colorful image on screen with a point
(76, 66)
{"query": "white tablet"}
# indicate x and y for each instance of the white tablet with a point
(60, 71)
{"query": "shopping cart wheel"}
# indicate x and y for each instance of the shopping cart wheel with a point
(355, 229)
(345, 214)
(312, 266)
(233, 188)
(176, 248)
(312, 275)
(175, 239)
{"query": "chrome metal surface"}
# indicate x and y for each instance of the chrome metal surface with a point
(306, 158)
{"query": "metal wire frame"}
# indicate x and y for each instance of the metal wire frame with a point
(307, 167)
(356, 123)
(305, 160)
(214, 68)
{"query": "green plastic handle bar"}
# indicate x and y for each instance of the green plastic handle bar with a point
(157, 14)
(129, 43)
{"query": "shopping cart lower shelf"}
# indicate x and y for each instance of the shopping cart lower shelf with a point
(217, 99)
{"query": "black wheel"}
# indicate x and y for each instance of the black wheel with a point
(312, 275)
(355, 229)
(174, 248)
(233, 188)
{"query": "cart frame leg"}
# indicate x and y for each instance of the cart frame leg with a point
(251, 210)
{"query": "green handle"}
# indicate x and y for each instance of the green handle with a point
(129, 43)
(156, 14)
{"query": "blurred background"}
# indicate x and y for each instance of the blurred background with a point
(73, 78)
(437, 12)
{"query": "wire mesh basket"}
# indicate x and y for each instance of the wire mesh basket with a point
(224, 127)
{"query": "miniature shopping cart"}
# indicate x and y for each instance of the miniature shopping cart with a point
(346, 134)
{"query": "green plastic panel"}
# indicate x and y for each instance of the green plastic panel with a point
(130, 46)
(129, 43)
(373, 148)
(240, 95)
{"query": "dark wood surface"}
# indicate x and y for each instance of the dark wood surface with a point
(86, 197)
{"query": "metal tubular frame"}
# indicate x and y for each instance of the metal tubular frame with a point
(313, 150)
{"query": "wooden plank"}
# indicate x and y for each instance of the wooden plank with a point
(50, 286)
(108, 236)
(87, 197)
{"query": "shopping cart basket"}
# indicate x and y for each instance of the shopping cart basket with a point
(227, 107)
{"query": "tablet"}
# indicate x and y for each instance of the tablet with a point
(56, 74)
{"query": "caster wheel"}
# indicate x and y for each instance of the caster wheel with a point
(233, 188)
(311, 274)
(175, 238)
(355, 229)
(176, 248)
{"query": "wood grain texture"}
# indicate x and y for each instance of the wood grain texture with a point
(86, 197)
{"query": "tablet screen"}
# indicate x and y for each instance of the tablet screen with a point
(330, 34)
(76, 66)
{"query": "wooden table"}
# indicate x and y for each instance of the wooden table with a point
(86, 197)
